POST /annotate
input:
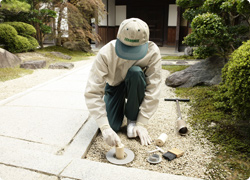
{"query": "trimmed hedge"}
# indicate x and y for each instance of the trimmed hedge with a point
(210, 36)
(7, 33)
(10, 36)
(23, 28)
(234, 92)
(20, 44)
(32, 41)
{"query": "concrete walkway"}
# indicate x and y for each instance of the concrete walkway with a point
(45, 134)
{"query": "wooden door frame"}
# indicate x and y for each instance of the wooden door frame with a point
(165, 27)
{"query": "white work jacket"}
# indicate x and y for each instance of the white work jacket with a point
(109, 68)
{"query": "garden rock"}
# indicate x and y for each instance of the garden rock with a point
(61, 55)
(188, 51)
(77, 46)
(8, 59)
(61, 66)
(206, 72)
(181, 62)
(33, 64)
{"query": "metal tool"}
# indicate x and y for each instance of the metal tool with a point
(181, 124)
(157, 149)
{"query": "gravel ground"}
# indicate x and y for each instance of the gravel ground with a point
(197, 154)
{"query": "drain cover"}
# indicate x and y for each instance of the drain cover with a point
(129, 156)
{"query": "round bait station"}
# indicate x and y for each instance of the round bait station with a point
(120, 155)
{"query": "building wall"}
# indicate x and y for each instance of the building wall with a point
(108, 26)
(172, 15)
(161, 16)
(121, 14)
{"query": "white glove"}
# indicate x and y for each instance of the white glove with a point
(111, 137)
(143, 135)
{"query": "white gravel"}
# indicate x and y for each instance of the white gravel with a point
(197, 152)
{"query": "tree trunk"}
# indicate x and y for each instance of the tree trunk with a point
(41, 39)
(54, 26)
(38, 34)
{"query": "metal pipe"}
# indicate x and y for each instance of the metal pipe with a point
(178, 110)
(181, 124)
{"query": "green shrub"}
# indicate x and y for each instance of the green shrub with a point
(7, 34)
(23, 28)
(203, 52)
(33, 42)
(185, 3)
(14, 42)
(19, 44)
(234, 91)
(210, 35)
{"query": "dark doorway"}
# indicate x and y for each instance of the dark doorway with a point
(153, 16)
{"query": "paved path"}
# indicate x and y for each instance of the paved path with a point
(45, 133)
(179, 62)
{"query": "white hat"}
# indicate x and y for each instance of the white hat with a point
(132, 39)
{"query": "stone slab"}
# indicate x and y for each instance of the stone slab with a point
(179, 62)
(85, 169)
(80, 74)
(14, 173)
(85, 69)
(36, 64)
(61, 66)
(34, 161)
(42, 125)
(65, 86)
(75, 77)
(12, 143)
(51, 99)
(82, 141)
(61, 55)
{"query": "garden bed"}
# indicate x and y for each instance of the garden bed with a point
(198, 151)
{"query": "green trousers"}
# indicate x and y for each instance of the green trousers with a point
(132, 89)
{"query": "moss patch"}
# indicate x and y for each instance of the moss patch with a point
(12, 73)
(76, 55)
(232, 140)
(184, 57)
(174, 68)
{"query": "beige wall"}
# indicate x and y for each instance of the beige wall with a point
(172, 16)
(121, 14)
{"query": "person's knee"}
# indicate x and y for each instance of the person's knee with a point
(134, 71)
(115, 127)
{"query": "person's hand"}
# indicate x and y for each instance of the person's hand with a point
(143, 135)
(111, 137)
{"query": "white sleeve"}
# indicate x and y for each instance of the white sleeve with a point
(153, 79)
(95, 90)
